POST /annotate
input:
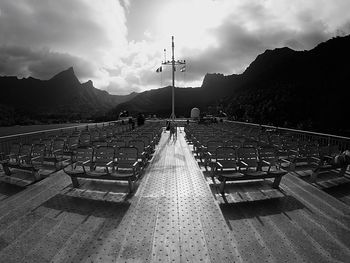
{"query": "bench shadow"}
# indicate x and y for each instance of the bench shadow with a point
(8, 190)
(87, 207)
(259, 208)
(331, 182)
(339, 191)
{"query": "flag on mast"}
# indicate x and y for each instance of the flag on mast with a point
(159, 69)
(183, 69)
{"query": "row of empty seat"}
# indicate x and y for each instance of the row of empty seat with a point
(235, 152)
(52, 148)
(95, 143)
(120, 158)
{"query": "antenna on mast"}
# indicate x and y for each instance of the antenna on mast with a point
(173, 63)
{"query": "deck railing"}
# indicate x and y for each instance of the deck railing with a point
(23, 138)
(322, 139)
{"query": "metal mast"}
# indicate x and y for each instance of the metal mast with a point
(173, 63)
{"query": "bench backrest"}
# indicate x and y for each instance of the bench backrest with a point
(26, 150)
(15, 149)
(117, 143)
(95, 135)
(248, 155)
(235, 143)
(58, 145)
(145, 140)
(38, 150)
(72, 142)
(85, 140)
(126, 138)
(139, 144)
(212, 145)
(103, 155)
(226, 156)
(268, 154)
(84, 154)
(126, 156)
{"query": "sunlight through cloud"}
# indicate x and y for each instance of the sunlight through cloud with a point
(121, 43)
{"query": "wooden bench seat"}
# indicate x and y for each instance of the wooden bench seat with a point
(29, 159)
(328, 163)
(105, 163)
(244, 166)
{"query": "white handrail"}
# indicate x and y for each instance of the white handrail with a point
(57, 129)
(291, 130)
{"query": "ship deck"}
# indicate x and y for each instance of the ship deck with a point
(176, 215)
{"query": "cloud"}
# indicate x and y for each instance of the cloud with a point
(250, 29)
(54, 35)
(119, 44)
(41, 63)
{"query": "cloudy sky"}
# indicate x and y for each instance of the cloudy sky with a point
(119, 43)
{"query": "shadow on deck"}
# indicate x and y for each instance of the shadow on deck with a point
(87, 207)
(7, 190)
(259, 208)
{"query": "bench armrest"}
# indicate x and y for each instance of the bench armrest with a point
(220, 165)
(328, 157)
(135, 168)
(82, 164)
(316, 159)
(285, 161)
(243, 163)
(86, 162)
(266, 162)
(35, 158)
(109, 163)
(135, 165)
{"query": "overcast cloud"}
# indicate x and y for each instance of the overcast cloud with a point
(119, 44)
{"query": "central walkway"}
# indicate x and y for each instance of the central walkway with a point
(174, 217)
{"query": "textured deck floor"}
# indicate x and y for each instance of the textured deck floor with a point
(173, 217)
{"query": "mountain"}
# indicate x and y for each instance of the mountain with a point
(62, 95)
(158, 101)
(298, 89)
(282, 87)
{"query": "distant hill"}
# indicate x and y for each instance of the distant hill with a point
(62, 95)
(283, 87)
(158, 101)
(305, 89)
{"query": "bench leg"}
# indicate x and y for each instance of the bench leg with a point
(131, 186)
(292, 167)
(276, 182)
(314, 175)
(343, 170)
(222, 187)
(75, 182)
(213, 174)
(36, 174)
(6, 169)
